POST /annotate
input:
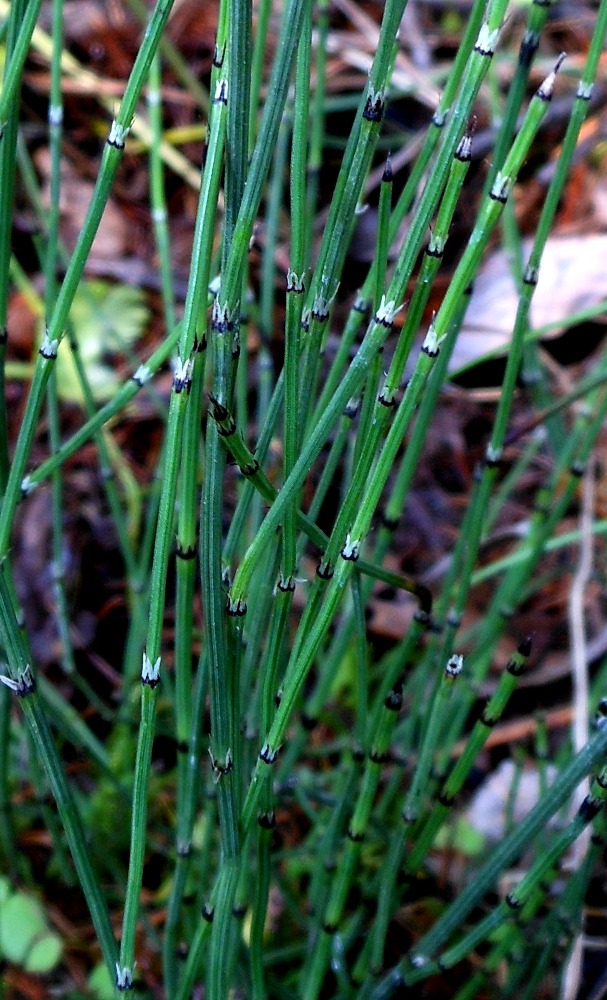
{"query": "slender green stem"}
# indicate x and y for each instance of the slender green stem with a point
(22, 681)
(112, 155)
(158, 194)
(7, 189)
(24, 20)
(103, 416)
(508, 850)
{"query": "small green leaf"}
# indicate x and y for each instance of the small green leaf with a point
(461, 837)
(5, 890)
(106, 319)
(345, 677)
(45, 954)
(21, 922)
(101, 984)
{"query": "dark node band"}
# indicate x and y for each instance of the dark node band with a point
(179, 384)
(236, 609)
(320, 314)
(221, 94)
(391, 523)
(267, 755)
(524, 647)
(294, 284)
(356, 838)
(187, 552)
(394, 701)
(379, 756)
(220, 413)
(515, 668)
(226, 432)
(527, 51)
(435, 252)
(208, 913)
(488, 720)
(267, 821)
(446, 800)
(325, 571)
(26, 684)
(544, 95)
(374, 109)
(251, 469)
(221, 322)
(383, 319)
(432, 352)
(482, 51)
(463, 153)
(513, 901)
(390, 404)
(220, 770)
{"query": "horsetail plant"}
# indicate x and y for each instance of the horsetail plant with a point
(293, 433)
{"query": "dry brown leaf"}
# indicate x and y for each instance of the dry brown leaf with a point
(76, 194)
(572, 277)
(488, 808)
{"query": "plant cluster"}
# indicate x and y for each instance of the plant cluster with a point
(256, 865)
